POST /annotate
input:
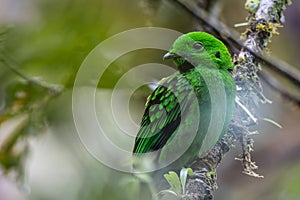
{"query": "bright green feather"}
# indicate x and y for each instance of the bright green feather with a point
(171, 108)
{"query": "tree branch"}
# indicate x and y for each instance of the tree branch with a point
(263, 22)
(53, 89)
(201, 185)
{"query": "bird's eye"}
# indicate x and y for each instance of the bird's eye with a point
(197, 46)
(218, 55)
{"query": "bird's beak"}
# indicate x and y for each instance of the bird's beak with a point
(170, 55)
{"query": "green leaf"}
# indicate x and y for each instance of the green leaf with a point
(184, 173)
(174, 182)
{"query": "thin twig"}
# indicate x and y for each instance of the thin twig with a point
(13, 67)
(275, 84)
(52, 88)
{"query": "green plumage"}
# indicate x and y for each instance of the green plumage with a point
(179, 117)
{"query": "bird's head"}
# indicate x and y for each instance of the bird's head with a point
(200, 49)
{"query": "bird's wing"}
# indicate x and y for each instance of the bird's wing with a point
(162, 115)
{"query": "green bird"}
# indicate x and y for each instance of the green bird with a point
(190, 110)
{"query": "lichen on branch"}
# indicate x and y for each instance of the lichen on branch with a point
(265, 17)
(263, 24)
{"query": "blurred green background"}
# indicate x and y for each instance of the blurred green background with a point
(48, 40)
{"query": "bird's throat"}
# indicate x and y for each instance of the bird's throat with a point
(185, 67)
